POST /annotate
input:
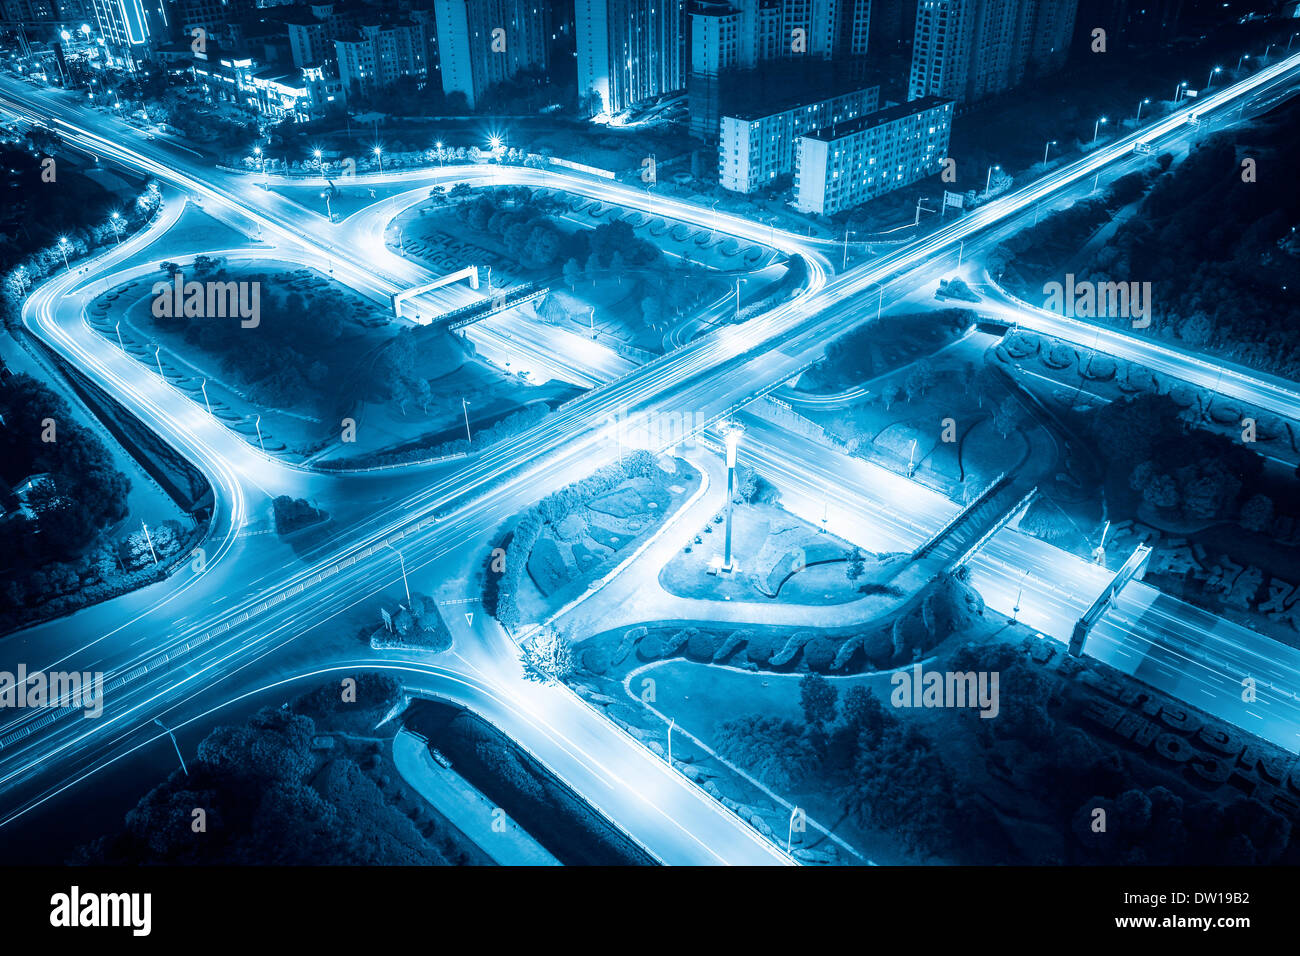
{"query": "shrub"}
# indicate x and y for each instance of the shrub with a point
(819, 654)
(734, 641)
(701, 646)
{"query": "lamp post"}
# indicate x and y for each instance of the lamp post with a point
(988, 180)
(1178, 91)
(789, 837)
(880, 301)
(1138, 119)
(316, 155)
(116, 220)
(261, 163)
(671, 723)
(1096, 127)
(149, 541)
(438, 146)
(402, 561)
(157, 357)
(258, 425)
(732, 438)
(174, 744)
(1244, 56)
(844, 263)
(1210, 79)
(464, 407)
(203, 386)
(713, 232)
(118, 329)
(379, 155)
(329, 213)
(63, 248)
(1046, 146)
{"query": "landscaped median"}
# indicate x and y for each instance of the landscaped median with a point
(573, 536)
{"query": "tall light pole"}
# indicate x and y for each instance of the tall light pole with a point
(261, 163)
(732, 438)
(1096, 127)
(149, 541)
(402, 561)
(844, 263)
(988, 180)
(1046, 146)
(174, 744)
(257, 423)
(329, 213)
(320, 167)
(880, 302)
(1138, 119)
(464, 407)
(713, 232)
(737, 298)
(157, 357)
(118, 329)
(789, 837)
(1210, 79)
(438, 146)
(116, 220)
(203, 386)
(379, 155)
(1244, 56)
(1178, 91)
(671, 723)
(63, 248)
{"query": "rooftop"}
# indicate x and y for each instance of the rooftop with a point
(878, 118)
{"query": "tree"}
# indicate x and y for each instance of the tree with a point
(1006, 417)
(890, 395)
(547, 657)
(652, 310)
(618, 265)
(572, 273)
(817, 699)
(593, 266)
(857, 566)
(1162, 492)
(1257, 513)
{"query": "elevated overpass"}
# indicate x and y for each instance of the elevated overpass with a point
(397, 298)
(1134, 567)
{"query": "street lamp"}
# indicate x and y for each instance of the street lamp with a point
(988, 180)
(1210, 78)
(844, 264)
(732, 438)
(438, 146)
(63, 248)
(1138, 119)
(464, 407)
(172, 736)
(116, 220)
(379, 155)
(1096, 128)
(401, 560)
(1244, 56)
(257, 423)
(1046, 146)
(328, 211)
(1178, 91)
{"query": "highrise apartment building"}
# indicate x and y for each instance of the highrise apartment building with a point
(483, 42)
(755, 148)
(846, 165)
(629, 50)
(379, 54)
(972, 49)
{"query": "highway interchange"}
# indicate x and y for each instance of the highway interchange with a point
(256, 611)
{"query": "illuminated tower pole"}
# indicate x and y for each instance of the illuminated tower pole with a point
(732, 437)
